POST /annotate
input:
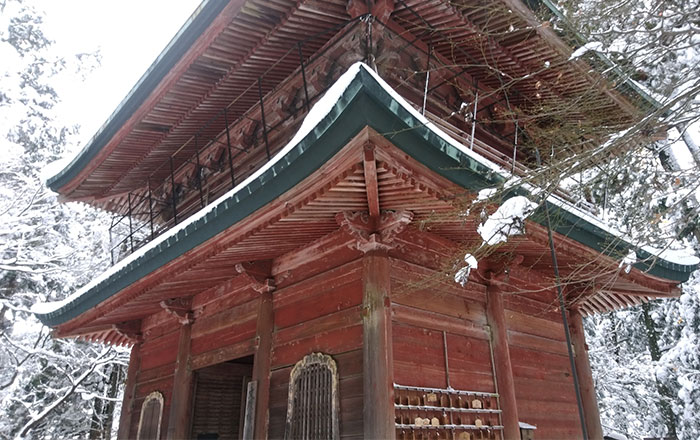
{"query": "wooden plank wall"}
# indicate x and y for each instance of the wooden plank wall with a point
(318, 308)
(157, 368)
(544, 387)
(224, 329)
(425, 302)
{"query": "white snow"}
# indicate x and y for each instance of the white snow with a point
(485, 194)
(53, 168)
(593, 45)
(317, 112)
(629, 260)
(615, 436)
(524, 425)
(495, 230)
(462, 275)
(509, 219)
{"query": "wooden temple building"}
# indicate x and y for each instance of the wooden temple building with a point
(287, 181)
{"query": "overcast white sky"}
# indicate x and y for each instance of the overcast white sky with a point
(130, 34)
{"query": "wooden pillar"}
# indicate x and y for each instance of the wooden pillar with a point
(129, 392)
(261, 369)
(180, 405)
(377, 368)
(585, 377)
(495, 314)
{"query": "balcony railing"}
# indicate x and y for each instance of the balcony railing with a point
(308, 67)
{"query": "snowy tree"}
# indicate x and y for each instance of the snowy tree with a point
(48, 388)
(646, 359)
(642, 176)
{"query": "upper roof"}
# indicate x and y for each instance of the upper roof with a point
(215, 62)
(359, 99)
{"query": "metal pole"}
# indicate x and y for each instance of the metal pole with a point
(150, 208)
(111, 241)
(198, 170)
(172, 183)
(476, 102)
(447, 362)
(515, 147)
(303, 76)
(262, 114)
(228, 144)
(427, 78)
(562, 308)
(131, 229)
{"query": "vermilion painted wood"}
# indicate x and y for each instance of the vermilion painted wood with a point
(180, 405)
(234, 333)
(585, 377)
(378, 378)
(261, 367)
(502, 363)
(326, 302)
(204, 41)
(128, 409)
(370, 170)
(331, 342)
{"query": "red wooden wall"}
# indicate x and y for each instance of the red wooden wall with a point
(544, 388)
(317, 307)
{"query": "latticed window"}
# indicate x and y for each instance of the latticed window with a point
(312, 408)
(151, 415)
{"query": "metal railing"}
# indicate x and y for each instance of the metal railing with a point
(154, 210)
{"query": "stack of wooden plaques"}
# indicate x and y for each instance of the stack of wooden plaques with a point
(445, 413)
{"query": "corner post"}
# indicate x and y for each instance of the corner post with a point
(377, 363)
(261, 368)
(129, 392)
(495, 315)
(585, 377)
(180, 405)
(374, 237)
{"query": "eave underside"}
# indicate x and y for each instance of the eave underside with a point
(258, 39)
(302, 224)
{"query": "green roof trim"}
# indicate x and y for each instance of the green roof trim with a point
(364, 102)
(198, 22)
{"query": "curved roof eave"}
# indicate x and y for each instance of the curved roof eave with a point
(363, 99)
(195, 25)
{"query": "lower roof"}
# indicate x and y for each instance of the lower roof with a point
(360, 98)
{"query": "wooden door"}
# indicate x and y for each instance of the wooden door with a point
(219, 401)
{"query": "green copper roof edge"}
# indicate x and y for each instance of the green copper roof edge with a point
(352, 112)
(568, 224)
(198, 22)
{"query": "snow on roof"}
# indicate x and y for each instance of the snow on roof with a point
(672, 256)
(315, 115)
(317, 112)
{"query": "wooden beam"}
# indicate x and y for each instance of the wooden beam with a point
(496, 318)
(180, 308)
(131, 330)
(258, 272)
(373, 232)
(377, 364)
(129, 392)
(180, 406)
(585, 377)
(371, 185)
(261, 367)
